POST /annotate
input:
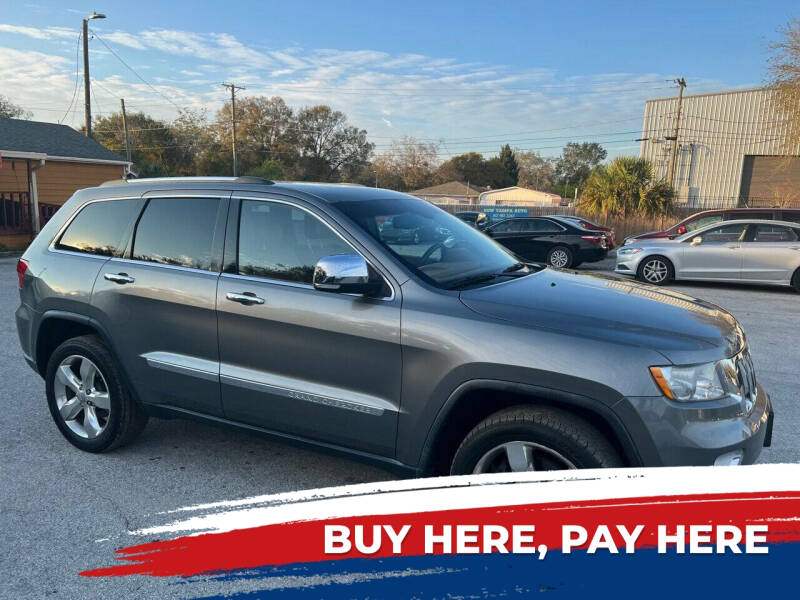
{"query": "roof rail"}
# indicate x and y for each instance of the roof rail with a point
(242, 179)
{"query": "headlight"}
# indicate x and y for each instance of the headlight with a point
(709, 381)
(629, 250)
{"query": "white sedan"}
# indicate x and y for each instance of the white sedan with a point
(745, 251)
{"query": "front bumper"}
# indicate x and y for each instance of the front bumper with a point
(628, 264)
(695, 434)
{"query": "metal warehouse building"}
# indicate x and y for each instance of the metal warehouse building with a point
(732, 149)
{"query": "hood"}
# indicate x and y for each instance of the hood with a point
(682, 328)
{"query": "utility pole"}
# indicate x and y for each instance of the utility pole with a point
(233, 89)
(87, 103)
(125, 126)
(674, 154)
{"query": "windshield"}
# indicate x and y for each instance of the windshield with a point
(441, 248)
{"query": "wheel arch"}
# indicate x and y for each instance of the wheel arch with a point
(57, 326)
(474, 400)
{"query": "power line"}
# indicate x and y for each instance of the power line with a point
(77, 77)
(132, 70)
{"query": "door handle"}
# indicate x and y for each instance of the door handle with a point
(244, 298)
(121, 278)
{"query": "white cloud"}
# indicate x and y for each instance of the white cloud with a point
(40, 34)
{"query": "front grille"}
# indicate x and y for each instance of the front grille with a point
(746, 374)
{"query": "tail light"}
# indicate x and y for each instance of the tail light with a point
(595, 239)
(22, 268)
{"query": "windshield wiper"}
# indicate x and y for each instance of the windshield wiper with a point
(512, 271)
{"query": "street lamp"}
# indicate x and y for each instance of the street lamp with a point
(87, 101)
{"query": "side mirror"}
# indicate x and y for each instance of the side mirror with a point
(681, 230)
(345, 274)
(696, 241)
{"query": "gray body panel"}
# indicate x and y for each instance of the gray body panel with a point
(379, 376)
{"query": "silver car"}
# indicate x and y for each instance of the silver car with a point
(744, 251)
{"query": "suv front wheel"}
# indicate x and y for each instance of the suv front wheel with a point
(533, 438)
(87, 398)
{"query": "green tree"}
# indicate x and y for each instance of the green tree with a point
(784, 69)
(328, 147)
(536, 172)
(469, 167)
(576, 163)
(154, 150)
(509, 161)
(269, 169)
(9, 110)
(625, 187)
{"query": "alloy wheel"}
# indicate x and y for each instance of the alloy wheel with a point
(521, 456)
(82, 396)
(559, 258)
(655, 271)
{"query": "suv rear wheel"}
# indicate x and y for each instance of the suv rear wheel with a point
(87, 398)
(533, 438)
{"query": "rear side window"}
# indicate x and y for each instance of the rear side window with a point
(101, 227)
(774, 233)
(279, 241)
(177, 231)
(542, 225)
(732, 216)
(792, 217)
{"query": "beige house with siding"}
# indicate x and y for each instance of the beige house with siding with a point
(41, 166)
(518, 196)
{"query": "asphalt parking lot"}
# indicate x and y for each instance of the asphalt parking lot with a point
(56, 501)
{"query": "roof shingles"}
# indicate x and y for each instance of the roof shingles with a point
(18, 135)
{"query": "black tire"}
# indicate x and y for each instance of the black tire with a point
(654, 261)
(125, 419)
(796, 281)
(555, 251)
(552, 429)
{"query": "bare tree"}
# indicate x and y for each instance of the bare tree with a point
(784, 69)
(408, 165)
(9, 110)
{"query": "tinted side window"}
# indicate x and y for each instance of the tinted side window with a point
(101, 227)
(177, 231)
(725, 234)
(278, 241)
(774, 233)
(702, 222)
(732, 216)
(793, 217)
(504, 227)
(544, 225)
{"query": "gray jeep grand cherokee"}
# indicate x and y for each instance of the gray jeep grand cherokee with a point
(280, 308)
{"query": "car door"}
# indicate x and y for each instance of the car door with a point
(158, 301)
(294, 359)
(770, 253)
(716, 254)
(508, 233)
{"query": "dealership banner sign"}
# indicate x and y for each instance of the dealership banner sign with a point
(649, 532)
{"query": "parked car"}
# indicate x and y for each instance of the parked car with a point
(478, 220)
(589, 225)
(283, 309)
(743, 251)
(404, 229)
(709, 217)
(557, 242)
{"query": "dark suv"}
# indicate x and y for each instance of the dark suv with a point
(280, 308)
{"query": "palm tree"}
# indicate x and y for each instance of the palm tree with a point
(626, 186)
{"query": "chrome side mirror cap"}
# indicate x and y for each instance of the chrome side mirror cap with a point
(696, 241)
(346, 274)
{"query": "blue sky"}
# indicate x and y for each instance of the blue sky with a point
(467, 75)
